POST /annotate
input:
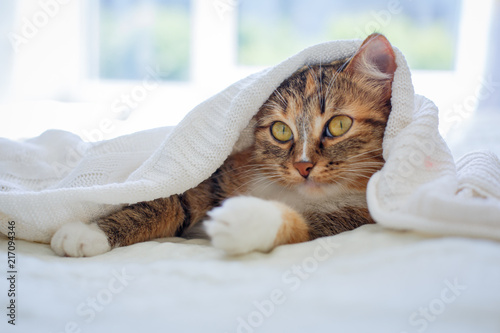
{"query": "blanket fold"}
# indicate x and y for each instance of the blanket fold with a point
(57, 178)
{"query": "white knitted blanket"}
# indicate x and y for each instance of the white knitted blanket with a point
(57, 178)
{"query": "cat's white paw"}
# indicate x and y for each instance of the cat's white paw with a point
(79, 240)
(244, 224)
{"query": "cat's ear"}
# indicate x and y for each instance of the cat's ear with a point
(375, 60)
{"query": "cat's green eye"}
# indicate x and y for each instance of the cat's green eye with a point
(281, 131)
(338, 126)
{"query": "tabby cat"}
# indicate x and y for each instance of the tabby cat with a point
(318, 139)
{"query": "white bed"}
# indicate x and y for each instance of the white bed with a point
(367, 280)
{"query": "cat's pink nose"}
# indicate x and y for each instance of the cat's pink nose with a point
(304, 168)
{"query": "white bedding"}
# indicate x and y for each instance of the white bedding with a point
(367, 280)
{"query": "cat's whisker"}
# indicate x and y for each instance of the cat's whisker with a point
(363, 176)
(349, 181)
(359, 171)
(272, 105)
(340, 69)
(249, 178)
(250, 168)
(256, 169)
(365, 165)
(362, 161)
(244, 185)
(366, 152)
(363, 171)
(365, 162)
(280, 96)
(360, 165)
(343, 186)
(263, 182)
(376, 158)
(259, 175)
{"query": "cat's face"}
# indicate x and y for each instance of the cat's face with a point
(321, 130)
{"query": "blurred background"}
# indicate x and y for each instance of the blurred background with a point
(103, 68)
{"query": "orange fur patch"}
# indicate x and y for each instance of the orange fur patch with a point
(293, 229)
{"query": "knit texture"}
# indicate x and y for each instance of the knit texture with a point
(57, 178)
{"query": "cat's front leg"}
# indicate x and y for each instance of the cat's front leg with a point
(132, 224)
(245, 224)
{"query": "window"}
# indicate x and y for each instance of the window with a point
(135, 36)
(183, 39)
(426, 31)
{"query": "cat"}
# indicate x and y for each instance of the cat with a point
(317, 141)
